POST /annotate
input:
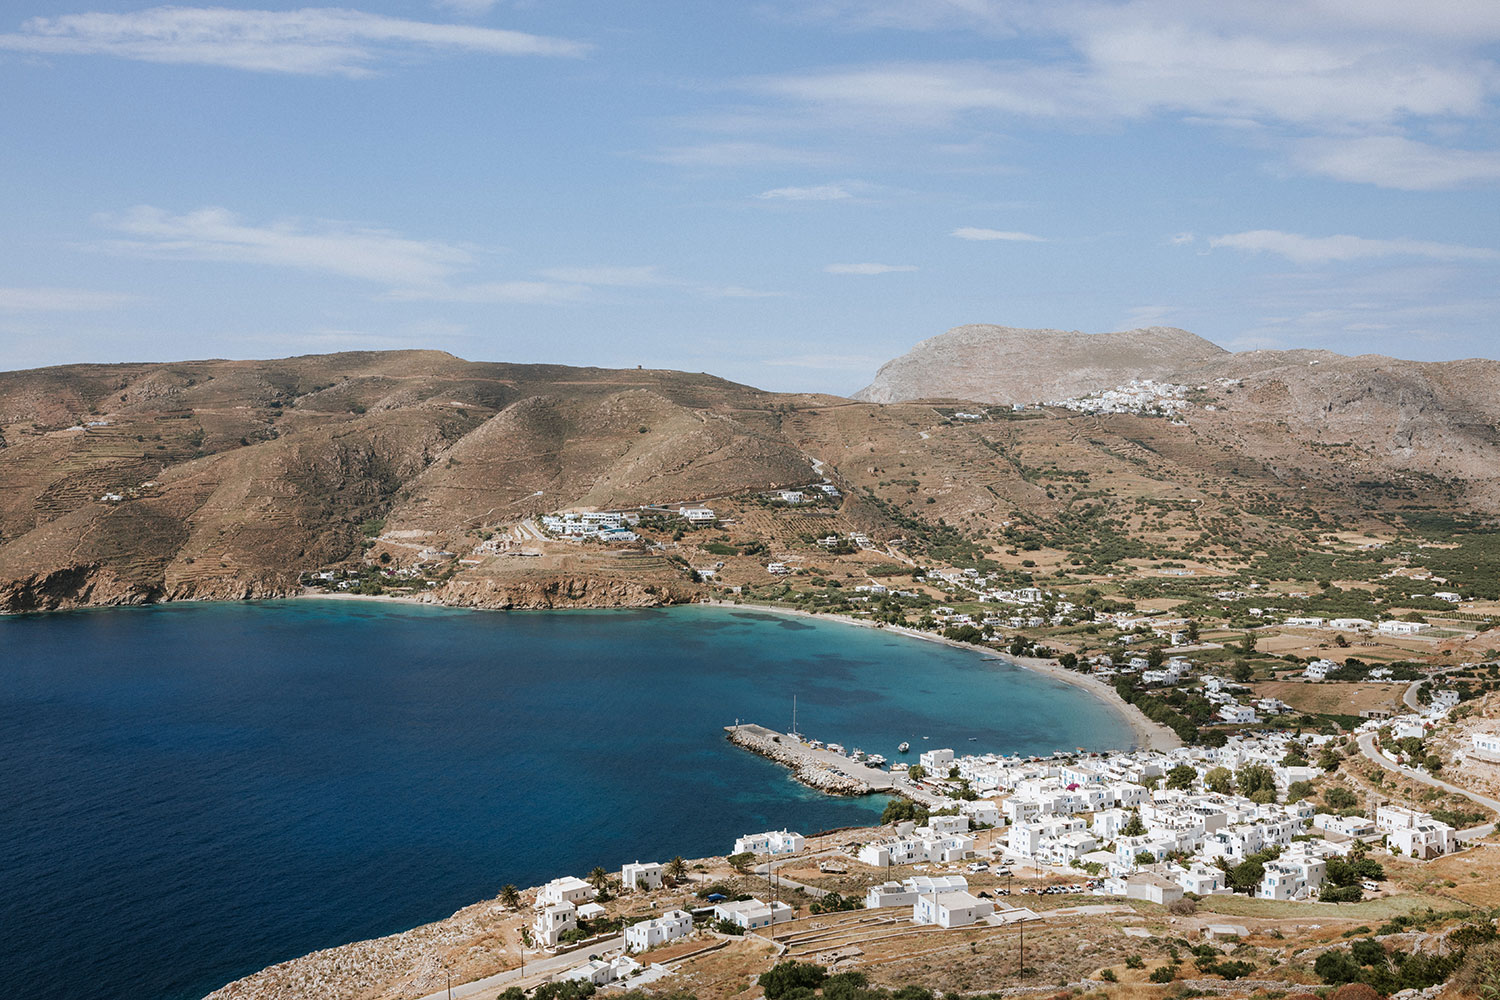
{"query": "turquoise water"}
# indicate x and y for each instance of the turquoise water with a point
(193, 792)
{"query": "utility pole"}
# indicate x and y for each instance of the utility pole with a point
(1021, 964)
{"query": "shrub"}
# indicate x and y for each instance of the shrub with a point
(788, 977)
(1163, 974)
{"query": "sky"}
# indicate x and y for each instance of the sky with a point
(783, 192)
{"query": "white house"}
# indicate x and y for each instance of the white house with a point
(669, 926)
(1292, 876)
(950, 909)
(567, 889)
(1239, 714)
(982, 812)
(770, 842)
(1401, 628)
(1349, 826)
(1485, 746)
(599, 972)
(696, 515)
(641, 876)
(1449, 596)
(1317, 670)
(1413, 833)
(552, 922)
(1149, 886)
(936, 762)
(905, 893)
(948, 824)
(752, 914)
(1445, 699)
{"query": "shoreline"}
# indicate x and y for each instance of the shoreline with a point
(1149, 735)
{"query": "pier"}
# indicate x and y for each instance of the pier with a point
(820, 769)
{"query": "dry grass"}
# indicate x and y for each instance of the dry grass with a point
(1326, 698)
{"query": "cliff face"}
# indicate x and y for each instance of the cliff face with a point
(560, 592)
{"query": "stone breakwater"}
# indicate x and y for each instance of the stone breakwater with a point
(807, 766)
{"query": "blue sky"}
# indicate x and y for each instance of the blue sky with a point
(784, 192)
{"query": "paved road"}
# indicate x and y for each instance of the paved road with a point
(541, 967)
(1367, 747)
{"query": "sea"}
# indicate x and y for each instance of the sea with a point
(192, 792)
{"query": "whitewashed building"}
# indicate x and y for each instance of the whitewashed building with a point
(568, 889)
(753, 914)
(950, 909)
(1415, 834)
(770, 842)
(552, 921)
(669, 926)
(642, 876)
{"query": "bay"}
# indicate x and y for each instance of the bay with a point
(189, 793)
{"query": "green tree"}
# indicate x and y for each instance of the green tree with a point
(1339, 797)
(786, 978)
(1257, 783)
(1219, 779)
(1134, 827)
(1247, 643)
(901, 810)
(598, 878)
(1193, 631)
(1241, 671)
(510, 897)
(916, 772)
(741, 862)
(676, 869)
(1182, 776)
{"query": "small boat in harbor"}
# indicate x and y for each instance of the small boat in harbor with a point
(856, 754)
(905, 747)
(875, 760)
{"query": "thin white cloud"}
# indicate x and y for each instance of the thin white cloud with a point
(1397, 162)
(410, 270)
(334, 248)
(1333, 87)
(43, 299)
(1326, 249)
(468, 8)
(317, 41)
(614, 276)
(1181, 239)
(535, 293)
(868, 268)
(822, 192)
(737, 153)
(976, 233)
(738, 292)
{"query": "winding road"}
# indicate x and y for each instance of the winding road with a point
(1367, 747)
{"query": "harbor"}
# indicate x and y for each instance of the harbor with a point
(818, 766)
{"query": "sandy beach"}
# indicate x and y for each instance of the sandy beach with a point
(1149, 734)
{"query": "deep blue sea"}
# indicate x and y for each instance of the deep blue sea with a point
(189, 793)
